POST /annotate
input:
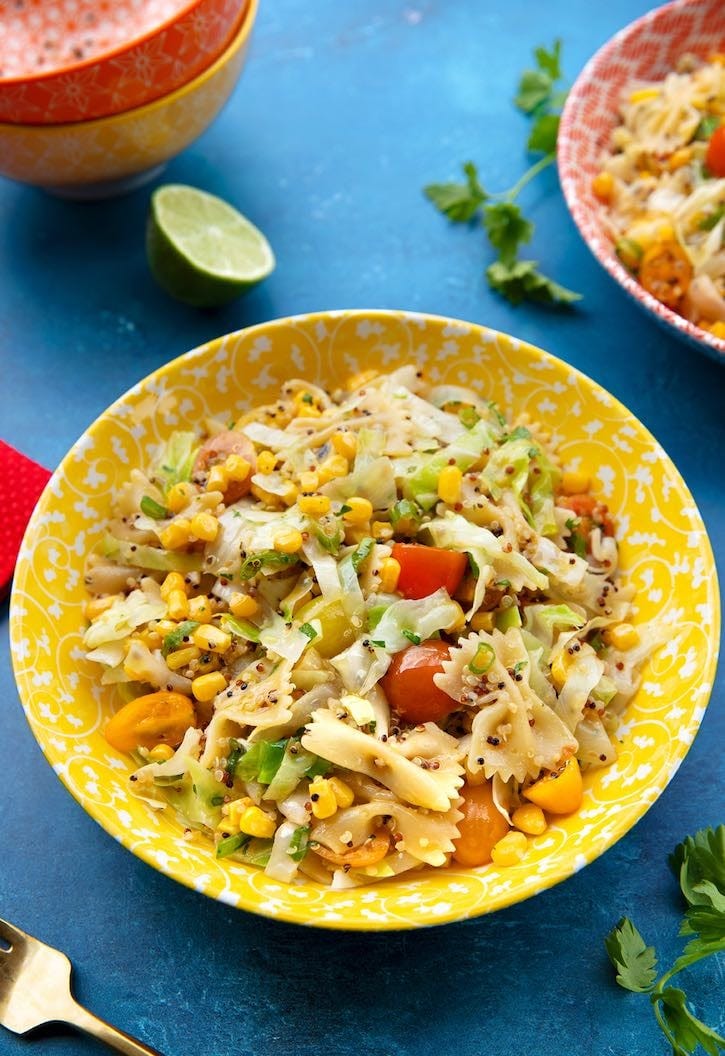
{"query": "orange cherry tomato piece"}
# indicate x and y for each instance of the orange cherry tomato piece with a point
(156, 718)
(665, 271)
(408, 683)
(715, 157)
(481, 827)
(368, 853)
(424, 569)
(217, 449)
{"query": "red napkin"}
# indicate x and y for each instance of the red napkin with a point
(21, 482)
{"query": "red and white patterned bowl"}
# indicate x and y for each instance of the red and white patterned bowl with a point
(647, 49)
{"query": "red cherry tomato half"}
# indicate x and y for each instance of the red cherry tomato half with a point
(424, 569)
(408, 683)
(715, 157)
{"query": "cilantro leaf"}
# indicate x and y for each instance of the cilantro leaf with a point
(549, 61)
(534, 90)
(458, 201)
(506, 229)
(522, 279)
(688, 1031)
(636, 963)
(543, 133)
(697, 858)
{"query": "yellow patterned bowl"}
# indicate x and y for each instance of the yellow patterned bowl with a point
(114, 154)
(665, 553)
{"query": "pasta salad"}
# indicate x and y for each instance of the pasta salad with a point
(663, 185)
(364, 632)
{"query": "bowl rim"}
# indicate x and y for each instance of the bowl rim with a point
(623, 821)
(238, 41)
(597, 241)
(104, 56)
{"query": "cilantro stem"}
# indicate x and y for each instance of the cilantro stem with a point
(663, 1025)
(529, 175)
(706, 951)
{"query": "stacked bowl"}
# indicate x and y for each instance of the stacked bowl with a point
(95, 96)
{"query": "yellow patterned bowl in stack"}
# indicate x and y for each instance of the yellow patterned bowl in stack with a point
(665, 553)
(113, 154)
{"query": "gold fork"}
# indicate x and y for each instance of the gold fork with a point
(35, 990)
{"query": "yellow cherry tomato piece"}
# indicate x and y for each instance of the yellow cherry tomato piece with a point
(156, 718)
(561, 793)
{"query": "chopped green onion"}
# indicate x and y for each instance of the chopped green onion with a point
(362, 552)
(344, 509)
(468, 416)
(597, 642)
(319, 768)
(519, 666)
(239, 628)
(309, 630)
(154, 509)
(330, 543)
(378, 644)
(483, 659)
(712, 219)
(629, 252)
(411, 636)
(230, 844)
(271, 757)
(299, 842)
(216, 801)
(519, 433)
(506, 618)
(236, 753)
(706, 127)
(405, 510)
(267, 560)
(175, 639)
(497, 414)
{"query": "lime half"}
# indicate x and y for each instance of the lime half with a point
(201, 250)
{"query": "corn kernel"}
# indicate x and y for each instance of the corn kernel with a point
(382, 531)
(180, 495)
(644, 95)
(256, 822)
(309, 481)
(322, 795)
(165, 626)
(355, 533)
(96, 606)
(290, 494)
(718, 330)
(308, 410)
(509, 850)
(459, 622)
(176, 534)
(182, 657)
(574, 482)
(207, 664)
(266, 462)
(621, 636)
(449, 485)
(529, 819)
(666, 232)
(482, 621)
(242, 605)
(345, 444)
(560, 668)
(344, 795)
(267, 497)
(206, 687)
(151, 639)
(236, 467)
(232, 815)
(603, 186)
(200, 609)
(358, 380)
(288, 541)
(160, 753)
(314, 505)
(359, 510)
(205, 526)
(174, 581)
(217, 480)
(211, 639)
(177, 605)
(333, 466)
(389, 575)
(681, 157)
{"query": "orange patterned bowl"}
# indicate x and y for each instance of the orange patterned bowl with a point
(647, 49)
(72, 60)
(114, 154)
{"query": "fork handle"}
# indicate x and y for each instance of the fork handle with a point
(79, 1017)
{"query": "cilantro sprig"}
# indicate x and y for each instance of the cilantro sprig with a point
(540, 97)
(699, 864)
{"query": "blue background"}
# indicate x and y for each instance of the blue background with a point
(345, 110)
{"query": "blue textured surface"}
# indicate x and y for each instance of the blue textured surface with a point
(344, 111)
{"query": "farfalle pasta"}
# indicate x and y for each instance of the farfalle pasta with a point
(361, 633)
